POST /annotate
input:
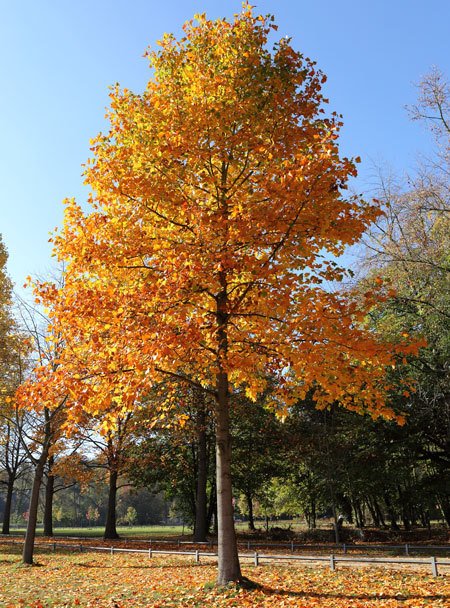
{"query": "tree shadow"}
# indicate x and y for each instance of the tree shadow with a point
(149, 566)
(352, 596)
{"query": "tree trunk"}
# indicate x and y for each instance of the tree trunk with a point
(28, 547)
(48, 506)
(444, 504)
(373, 513)
(390, 511)
(379, 512)
(359, 514)
(8, 504)
(251, 520)
(212, 509)
(313, 513)
(403, 501)
(201, 516)
(228, 560)
(229, 569)
(110, 525)
(346, 504)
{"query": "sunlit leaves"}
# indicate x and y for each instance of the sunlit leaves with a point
(216, 193)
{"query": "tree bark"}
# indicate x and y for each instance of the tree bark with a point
(8, 505)
(201, 515)
(228, 560)
(28, 547)
(48, 505)
(110, 525)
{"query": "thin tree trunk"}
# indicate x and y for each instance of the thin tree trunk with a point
(313, 513)
(229, 569)
(201, 516)
(379, 512)
(28, 547)
(444, 504)
(373, 513)
(251, 520)
(48, 505)
(359, 514)
(212, 508)
(8, 504)
(390, 511)
(110, 525)
(228, 560)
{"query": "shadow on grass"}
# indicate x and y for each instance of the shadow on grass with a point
(350, 596)
(148, 566)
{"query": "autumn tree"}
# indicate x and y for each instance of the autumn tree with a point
(218, 197)
(46, 404)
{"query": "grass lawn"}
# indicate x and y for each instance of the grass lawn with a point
(135, 581)
(158, 531)
(124, 531)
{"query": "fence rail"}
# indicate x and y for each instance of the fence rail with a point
(405, 548)
(433, 562)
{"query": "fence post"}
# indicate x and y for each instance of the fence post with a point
(406, 549)
(344, 548)
(434, 568)
(292, 546)
(332, 563)
(112, 550)
(256, 558)
(197, 557)
(150, 552)
(248, 545)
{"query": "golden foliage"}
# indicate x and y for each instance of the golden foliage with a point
(218, 197)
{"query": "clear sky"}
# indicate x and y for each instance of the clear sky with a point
(58, 57)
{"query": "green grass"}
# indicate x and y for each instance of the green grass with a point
(123, 531)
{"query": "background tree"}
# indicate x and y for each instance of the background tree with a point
(13, 458)
(13, 358)
(46, 405)
(258, 450)
(410, 249)
(176, 454)
(110, 439)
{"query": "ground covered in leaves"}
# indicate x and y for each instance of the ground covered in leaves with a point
(134, 581)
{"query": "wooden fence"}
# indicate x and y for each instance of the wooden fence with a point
(332, 560)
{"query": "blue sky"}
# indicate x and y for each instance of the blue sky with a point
(58, 57)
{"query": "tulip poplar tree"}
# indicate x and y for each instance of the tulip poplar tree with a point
(218, 200)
